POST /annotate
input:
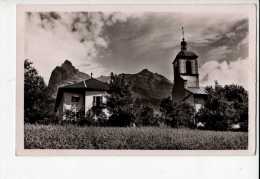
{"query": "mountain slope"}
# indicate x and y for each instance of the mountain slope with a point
(148, 87)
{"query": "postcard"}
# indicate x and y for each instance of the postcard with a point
(136, 80)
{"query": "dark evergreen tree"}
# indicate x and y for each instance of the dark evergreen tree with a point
(36, 100)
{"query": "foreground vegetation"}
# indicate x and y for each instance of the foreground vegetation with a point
(75, 137)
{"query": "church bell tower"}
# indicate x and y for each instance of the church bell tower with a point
(185, 70)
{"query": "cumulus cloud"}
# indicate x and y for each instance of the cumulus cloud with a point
(128, 42)
(235, 72)
(52, 37)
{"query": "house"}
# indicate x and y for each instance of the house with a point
(186, 78)
(82, 97)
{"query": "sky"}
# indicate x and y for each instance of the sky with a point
(125, 42)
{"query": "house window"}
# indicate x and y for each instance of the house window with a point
(75, 99)
(188, 67)
(97, 101)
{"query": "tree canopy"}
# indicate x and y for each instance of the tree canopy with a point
(120, 102)
(225, 106)
(36, 100)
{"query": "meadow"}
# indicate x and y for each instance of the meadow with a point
(151, 138)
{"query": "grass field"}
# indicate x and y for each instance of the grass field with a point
(74, 137)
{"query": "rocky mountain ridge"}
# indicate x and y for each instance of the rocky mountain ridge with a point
(146, 86)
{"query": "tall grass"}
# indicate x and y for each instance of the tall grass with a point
(74, 137)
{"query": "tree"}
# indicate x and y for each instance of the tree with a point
(144, 116)
(120, 102)
(36, 100)
(225, 106)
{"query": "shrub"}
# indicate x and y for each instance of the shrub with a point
(144, 116)
(71, 115)
(93, 117)
(121, 119)
(166, 106)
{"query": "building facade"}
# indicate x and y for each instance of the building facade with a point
(82, 97)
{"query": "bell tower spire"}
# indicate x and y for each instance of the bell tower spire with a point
(185, 71)
(183, 42)
(182, 29)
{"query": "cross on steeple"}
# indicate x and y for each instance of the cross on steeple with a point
(91, 75)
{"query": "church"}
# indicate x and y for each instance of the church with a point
(186, 78)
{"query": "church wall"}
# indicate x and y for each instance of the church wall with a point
(178, 91)
(192, 81)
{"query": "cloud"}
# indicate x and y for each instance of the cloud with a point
(235, 72)
(218, 53)
(228, 44)
(128, 42)
(52, 37)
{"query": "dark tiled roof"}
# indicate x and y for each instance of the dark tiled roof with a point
(199, 91)
(184, 54)
(90, 84)
(94, 84)
(75, 85)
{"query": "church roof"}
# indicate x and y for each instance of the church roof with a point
(196, 90)
(186, 55)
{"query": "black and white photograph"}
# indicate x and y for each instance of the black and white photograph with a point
(132, 79)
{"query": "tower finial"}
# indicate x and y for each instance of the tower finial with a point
(183, 42)
(182, 29)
